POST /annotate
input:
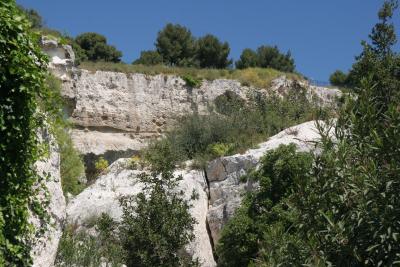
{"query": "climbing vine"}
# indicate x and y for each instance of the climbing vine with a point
(22, 85)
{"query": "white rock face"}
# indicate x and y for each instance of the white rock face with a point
(45, 248)
(226, 190)
(103, 197)
(61, 57)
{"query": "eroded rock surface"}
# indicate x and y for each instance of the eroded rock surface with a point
(45, 248)
(118, 112)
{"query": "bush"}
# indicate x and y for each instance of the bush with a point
(156, 224)
(71, 164)
(265, 213)
(176, 45)
(240, 126)
(211, 53)
(96, 47)
(338, 78)
(191, 81)
(149, 58)
(101, 165)
(78, 248)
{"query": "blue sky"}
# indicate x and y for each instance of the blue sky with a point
(322, 35)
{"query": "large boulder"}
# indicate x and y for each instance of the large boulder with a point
(45, 244)
(119, 181)
(223, 174)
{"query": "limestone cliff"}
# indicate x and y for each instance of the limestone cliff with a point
(115, 114)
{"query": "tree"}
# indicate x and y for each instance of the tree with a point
(248, 59)
(271, 57)
(149, 58)
(33, 16)
(176, 45)
(377, 61)
(212, 53)
(96, 47)
(22, 84)
(156, 224)
(266, 57)
(338, 78)
(349, 211)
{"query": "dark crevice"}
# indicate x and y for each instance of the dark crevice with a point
(207, 225)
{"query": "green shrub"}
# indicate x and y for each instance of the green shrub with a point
(149, 58)
(265, 212)
(156, 223)
(241, 126)
(219, 149)
(191, 81)
(101, 165)
(71, 164)
(78, 248)
(229, 103)
(338, 78)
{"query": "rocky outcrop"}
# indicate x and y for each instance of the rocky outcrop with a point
(119, 181)
(223, 174)
(44, 248)
(61, 57)
(220, 189)
(116, 114)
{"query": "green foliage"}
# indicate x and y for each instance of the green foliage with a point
(264, 220)
(212, 53)
(344, 210)
(156, 224)
(266, 57)
(237, 124)
(192, 81)
(71, 164)
(33, 16)
(176, 45)
(350, 209)
(149, 58)
(101, 165)
(338, 78)
(96, 47)
(248, 59)
(377, 61)
(219, 149)
(22, 76)
(229, 103)
(271, 57)
(78, 248)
